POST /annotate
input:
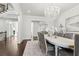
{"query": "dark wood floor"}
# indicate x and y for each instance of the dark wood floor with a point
(4, 51)
(2, 48)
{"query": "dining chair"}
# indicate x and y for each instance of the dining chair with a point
(45, 46)
(59, 34)
(76, 50)
(68, 35)
(66, 52)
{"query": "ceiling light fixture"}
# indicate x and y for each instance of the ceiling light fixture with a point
(52, 11)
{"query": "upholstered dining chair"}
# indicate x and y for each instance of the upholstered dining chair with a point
(68, 35)
(45, 46)
(76, 50)
(66, 52)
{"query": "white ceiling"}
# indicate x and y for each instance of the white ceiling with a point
(37, 9)
(10, 14)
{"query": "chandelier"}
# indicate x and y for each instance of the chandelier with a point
(3, 7)
(52, 11)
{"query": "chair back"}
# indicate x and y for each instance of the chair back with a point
(60, 34)
(76, 52)
(68, 35)
(42, 42)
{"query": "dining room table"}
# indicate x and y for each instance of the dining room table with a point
(60, 42)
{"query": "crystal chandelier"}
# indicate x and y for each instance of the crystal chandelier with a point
(52, 11)
(3, 7)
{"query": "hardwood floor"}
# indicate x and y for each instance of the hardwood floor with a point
(2, 49)
(12, 49)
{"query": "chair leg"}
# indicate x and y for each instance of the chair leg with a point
(46, 53)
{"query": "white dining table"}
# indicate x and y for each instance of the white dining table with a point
(60, 42)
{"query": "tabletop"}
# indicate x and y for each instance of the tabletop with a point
(60, 41)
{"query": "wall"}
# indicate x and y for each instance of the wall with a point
(36, 28)
(26, 28)
(69, 13)
(4, 26)
(25, 25)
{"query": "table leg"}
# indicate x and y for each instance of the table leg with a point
(56, 50)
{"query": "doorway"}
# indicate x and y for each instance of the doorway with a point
(35, 27)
